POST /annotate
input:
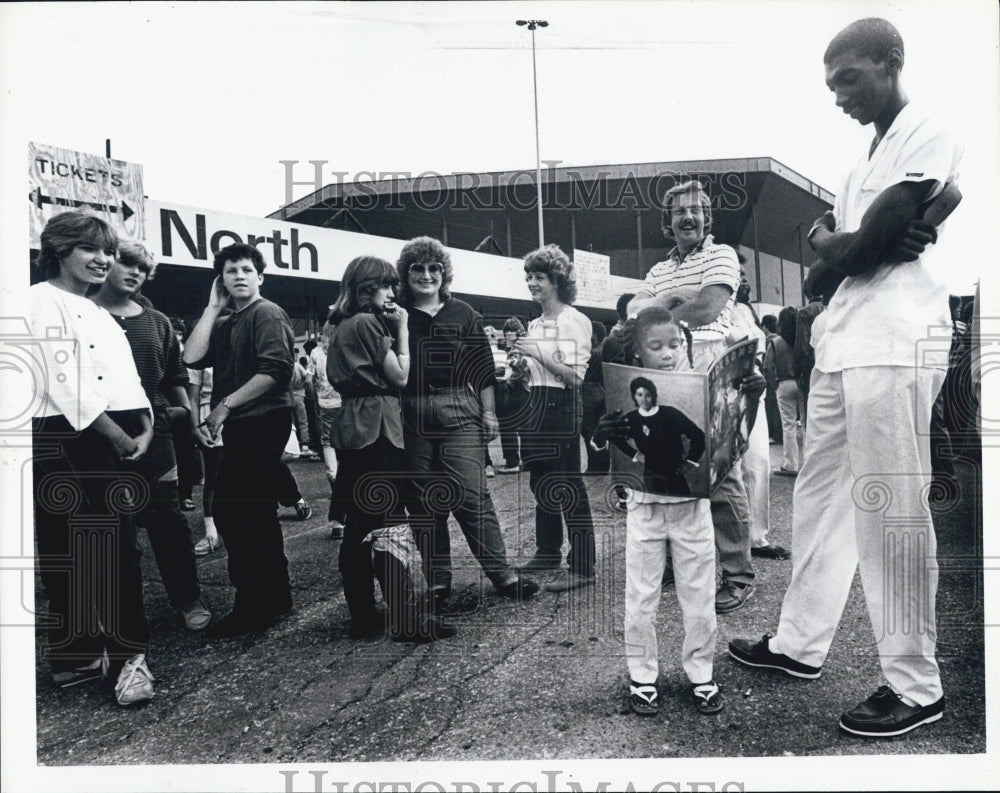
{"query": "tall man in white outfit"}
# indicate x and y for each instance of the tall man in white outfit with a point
(861, 495)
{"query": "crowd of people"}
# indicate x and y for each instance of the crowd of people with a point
(405, 388)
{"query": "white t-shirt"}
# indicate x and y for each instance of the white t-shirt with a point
(569, 336)
(88, 364)
(877, 319)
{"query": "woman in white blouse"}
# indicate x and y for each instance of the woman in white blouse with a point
(92, 414)
(554, 355)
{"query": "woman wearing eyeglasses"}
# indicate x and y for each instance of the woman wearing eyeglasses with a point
(448, 413)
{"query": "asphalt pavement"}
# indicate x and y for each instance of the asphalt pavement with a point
(543, 680)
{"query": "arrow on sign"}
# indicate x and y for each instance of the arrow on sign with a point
(38, 198)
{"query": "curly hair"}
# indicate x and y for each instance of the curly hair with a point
(237, 252)
(67, 230)
(363, 276)
(423, 250)
(514, 324)
(685, 188)
(135, 254)
(635, 329)
(643, 382)
(868, 38)
(556, 266)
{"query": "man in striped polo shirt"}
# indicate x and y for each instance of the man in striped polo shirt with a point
(698, 282)
(699, 277)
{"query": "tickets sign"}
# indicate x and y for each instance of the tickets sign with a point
(61, 179)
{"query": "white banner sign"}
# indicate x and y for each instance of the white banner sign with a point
(190, 236)
(593, 279)
(62, 179)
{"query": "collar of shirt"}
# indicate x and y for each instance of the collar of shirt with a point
(674, 255)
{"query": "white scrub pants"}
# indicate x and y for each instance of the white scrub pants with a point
(861, 499)
(688, 527)
(757, 478)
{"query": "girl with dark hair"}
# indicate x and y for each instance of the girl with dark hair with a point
(779, 364)
(555, 352)
(664, 511)
(92, 417)
(368, 361)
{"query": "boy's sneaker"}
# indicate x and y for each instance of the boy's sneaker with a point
(135, 682)
(731, 596)
(759, 655)
(707, 697)
(884, 714)
(196, 616)
(336, 530)
(95, 670)
(490, 473)
(508, 469)
(643, 699)
(303, 510)
(187, 505)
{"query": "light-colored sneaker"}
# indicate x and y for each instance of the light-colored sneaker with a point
(196, 616)
(135, 682)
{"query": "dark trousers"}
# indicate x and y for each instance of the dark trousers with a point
(188, 456)
(550, 447)
(512, 402)
(88, 559)
(246, 511)
(373, 477)
(772, 415)
(288, 489)
(212, 456)
(167, 528)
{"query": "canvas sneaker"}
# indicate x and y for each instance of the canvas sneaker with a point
(135, 682)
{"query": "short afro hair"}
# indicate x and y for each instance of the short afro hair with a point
(556, 266)
(871, 38)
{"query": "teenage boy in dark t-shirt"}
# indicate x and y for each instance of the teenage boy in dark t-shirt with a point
(251, 351)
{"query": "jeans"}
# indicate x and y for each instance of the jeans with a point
(88, 558)
(246, 511)
(444, 452)
(167, 527)
(550, 447)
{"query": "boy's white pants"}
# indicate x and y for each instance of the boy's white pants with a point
(688, 527)
(861, 499)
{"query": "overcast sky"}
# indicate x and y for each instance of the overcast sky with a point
(209, 98)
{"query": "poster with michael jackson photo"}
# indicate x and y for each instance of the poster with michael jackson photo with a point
(676, 433)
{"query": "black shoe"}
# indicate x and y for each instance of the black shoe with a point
(884, 714)
(437, 597)
(429, 629)
(370, 627)
(731, 595)
(542, 563)
(238, 623)
(519, 589)
(771, 552)
(758, 655)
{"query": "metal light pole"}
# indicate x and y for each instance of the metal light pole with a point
(532, 24)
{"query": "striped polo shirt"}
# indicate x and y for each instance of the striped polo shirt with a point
(707, 264)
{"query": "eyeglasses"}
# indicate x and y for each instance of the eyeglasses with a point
(434, 268)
